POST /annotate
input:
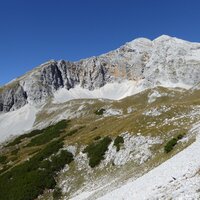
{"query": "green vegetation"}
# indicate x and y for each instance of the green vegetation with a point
(51, 148)
(4, 169)
(97, 137)
(57, 162)
(96, 151)
(180, 136)
(49, 134)
(135, 122)
(100, 111)
(171, 143)
(14, 152)
(3, 159)
(57, 193)
(43, 136)
(29, 179)
(72, 132)
(93, 129)
(118, 141)
(19, 139)
(13, 158)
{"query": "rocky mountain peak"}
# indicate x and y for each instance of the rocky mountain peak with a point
(165, 61)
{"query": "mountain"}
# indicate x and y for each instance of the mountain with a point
(165, 61)
(106, 127)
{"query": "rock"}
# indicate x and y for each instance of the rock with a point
(165, 61)
(12, 98)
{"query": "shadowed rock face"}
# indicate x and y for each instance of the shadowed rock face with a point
(38, 85)
(12, 98)
(163, 61)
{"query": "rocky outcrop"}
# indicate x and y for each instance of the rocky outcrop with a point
(165, 61)
(12, 98)
(40, 84)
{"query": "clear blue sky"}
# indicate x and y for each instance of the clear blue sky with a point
(34, 31)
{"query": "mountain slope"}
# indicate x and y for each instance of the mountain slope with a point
(104, 127)
(134, 67)
(146, 121)
(177, 178)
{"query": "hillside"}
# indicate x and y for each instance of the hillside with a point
(147, 121)
(106, 127)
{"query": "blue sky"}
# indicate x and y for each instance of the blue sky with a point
(34, 31)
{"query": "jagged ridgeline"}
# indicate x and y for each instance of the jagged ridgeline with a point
(165, 61)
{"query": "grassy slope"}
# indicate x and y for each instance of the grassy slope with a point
(181, 103)
(89, 126)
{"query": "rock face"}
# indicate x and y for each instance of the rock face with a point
(164, 61)
(12, 98)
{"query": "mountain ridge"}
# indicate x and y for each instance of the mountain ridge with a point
(115, 115)
(164, 61)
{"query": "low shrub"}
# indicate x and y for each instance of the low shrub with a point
(14, 142)
(13, 158)
(93, 129)
(170, 145)
(59, 161)
(3, 159)
(19, 139)
(29, 179)
(14, 152)
(5, 168)
(49, 150)
(180, 136)
(96, 151)
(49, 134)
(97, 137)
(118, 141)
(72, 132)
(100, 111)
(57, 193)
